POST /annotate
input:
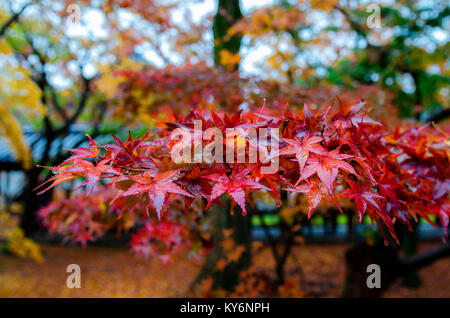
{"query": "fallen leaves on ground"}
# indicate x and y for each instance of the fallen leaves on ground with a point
(115, 272)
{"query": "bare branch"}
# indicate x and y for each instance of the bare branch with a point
(355, 26)
(81, 105)
(14, 18)
(424, 259)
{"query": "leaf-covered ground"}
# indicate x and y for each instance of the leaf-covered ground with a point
(115, 272)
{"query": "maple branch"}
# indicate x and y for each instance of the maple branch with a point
(283, 259)
(439, 116)
(132, 169)
(270, 238)
(43, 82)
(11, 166)
(415, 263)
(355, 26)
(95, 133)
(288, 245)
(81, 104)
(14, 18)
(56, 103)
(280, 259)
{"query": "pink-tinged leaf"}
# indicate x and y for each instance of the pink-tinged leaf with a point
(362, 197)
(83, 153)
(238, 196)
(301, 149)
(233, 185)
(158, 201)
(444, 220)
(217, 190)
(314, 193)
(155, 187)
(327, 167)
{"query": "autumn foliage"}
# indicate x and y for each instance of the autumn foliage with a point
(336, 154)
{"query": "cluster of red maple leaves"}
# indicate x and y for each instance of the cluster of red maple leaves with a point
(82, 218)
(330, 154)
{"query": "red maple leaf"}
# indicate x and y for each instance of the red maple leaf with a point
(198, 186)
(326, 166)
(235, 186)
(83, 153)
(125, 151)
(80, 168)
(314, 193)
(273, 181)
(155, 187)
(302, 148)
(444, 215)
(362, 196)
(350, 115)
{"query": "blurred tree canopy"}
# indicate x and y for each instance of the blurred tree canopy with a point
(106, 66)
(110, 66)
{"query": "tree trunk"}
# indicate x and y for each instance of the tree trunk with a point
(222, 219)
(357, 259)
(228, 13)
(29, 222)
(409, 245)
(360, 256)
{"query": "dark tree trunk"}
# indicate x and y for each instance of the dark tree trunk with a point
(357, 259)
(222, 219)
(360, 256)
(350, 223)
(15, 17)
(28, 220)
(409, 245)
(32, 202)
(227, 15)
